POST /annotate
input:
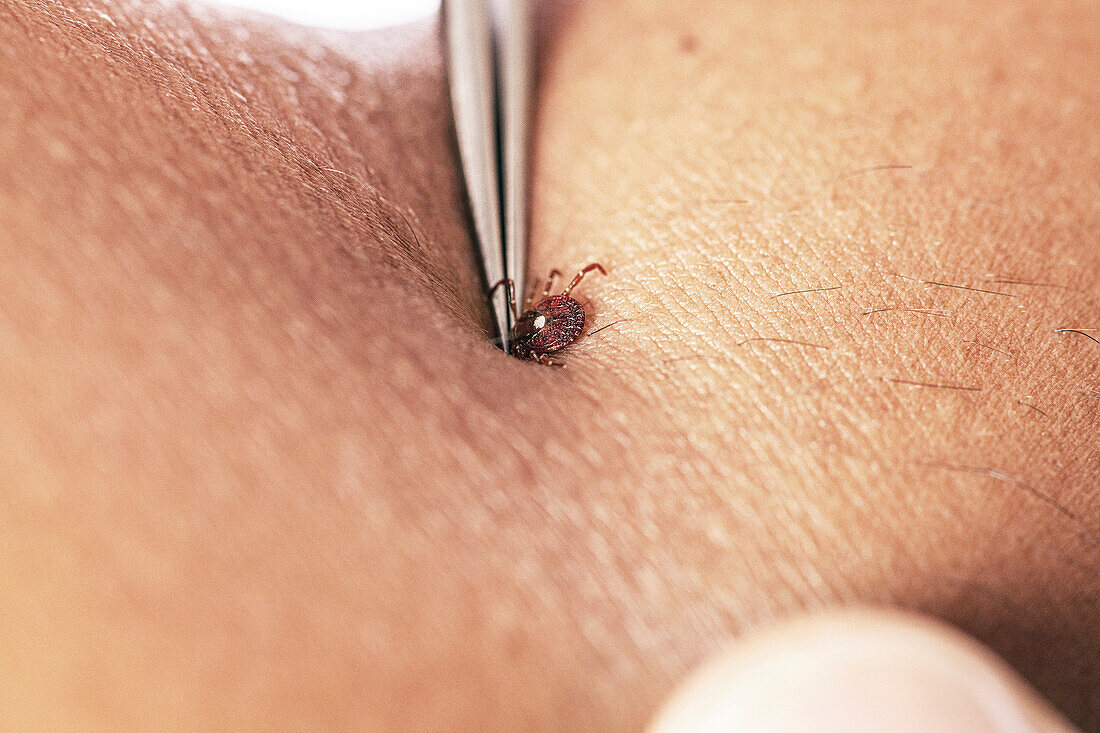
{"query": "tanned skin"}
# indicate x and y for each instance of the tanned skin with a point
(261, 466)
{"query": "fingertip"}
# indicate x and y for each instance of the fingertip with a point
(858, 671)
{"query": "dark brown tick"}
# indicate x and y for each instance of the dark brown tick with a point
(549, 325)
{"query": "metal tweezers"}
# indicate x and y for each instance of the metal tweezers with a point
(488, 46)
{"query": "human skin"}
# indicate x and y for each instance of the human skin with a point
(262, 466)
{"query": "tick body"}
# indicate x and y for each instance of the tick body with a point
(552, 323)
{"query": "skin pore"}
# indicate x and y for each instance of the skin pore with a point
(260, 464)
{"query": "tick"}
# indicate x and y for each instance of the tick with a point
(549, 325)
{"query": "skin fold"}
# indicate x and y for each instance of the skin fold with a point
(260, 465)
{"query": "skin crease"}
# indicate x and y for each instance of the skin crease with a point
(261, 466)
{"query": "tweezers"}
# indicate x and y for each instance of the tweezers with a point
(488, 48)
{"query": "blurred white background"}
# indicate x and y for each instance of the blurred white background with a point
(352, 15)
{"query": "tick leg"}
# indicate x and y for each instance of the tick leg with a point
(544, 359)
(510, 291)
(580, 276)
(553, 278)
(554, 275)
